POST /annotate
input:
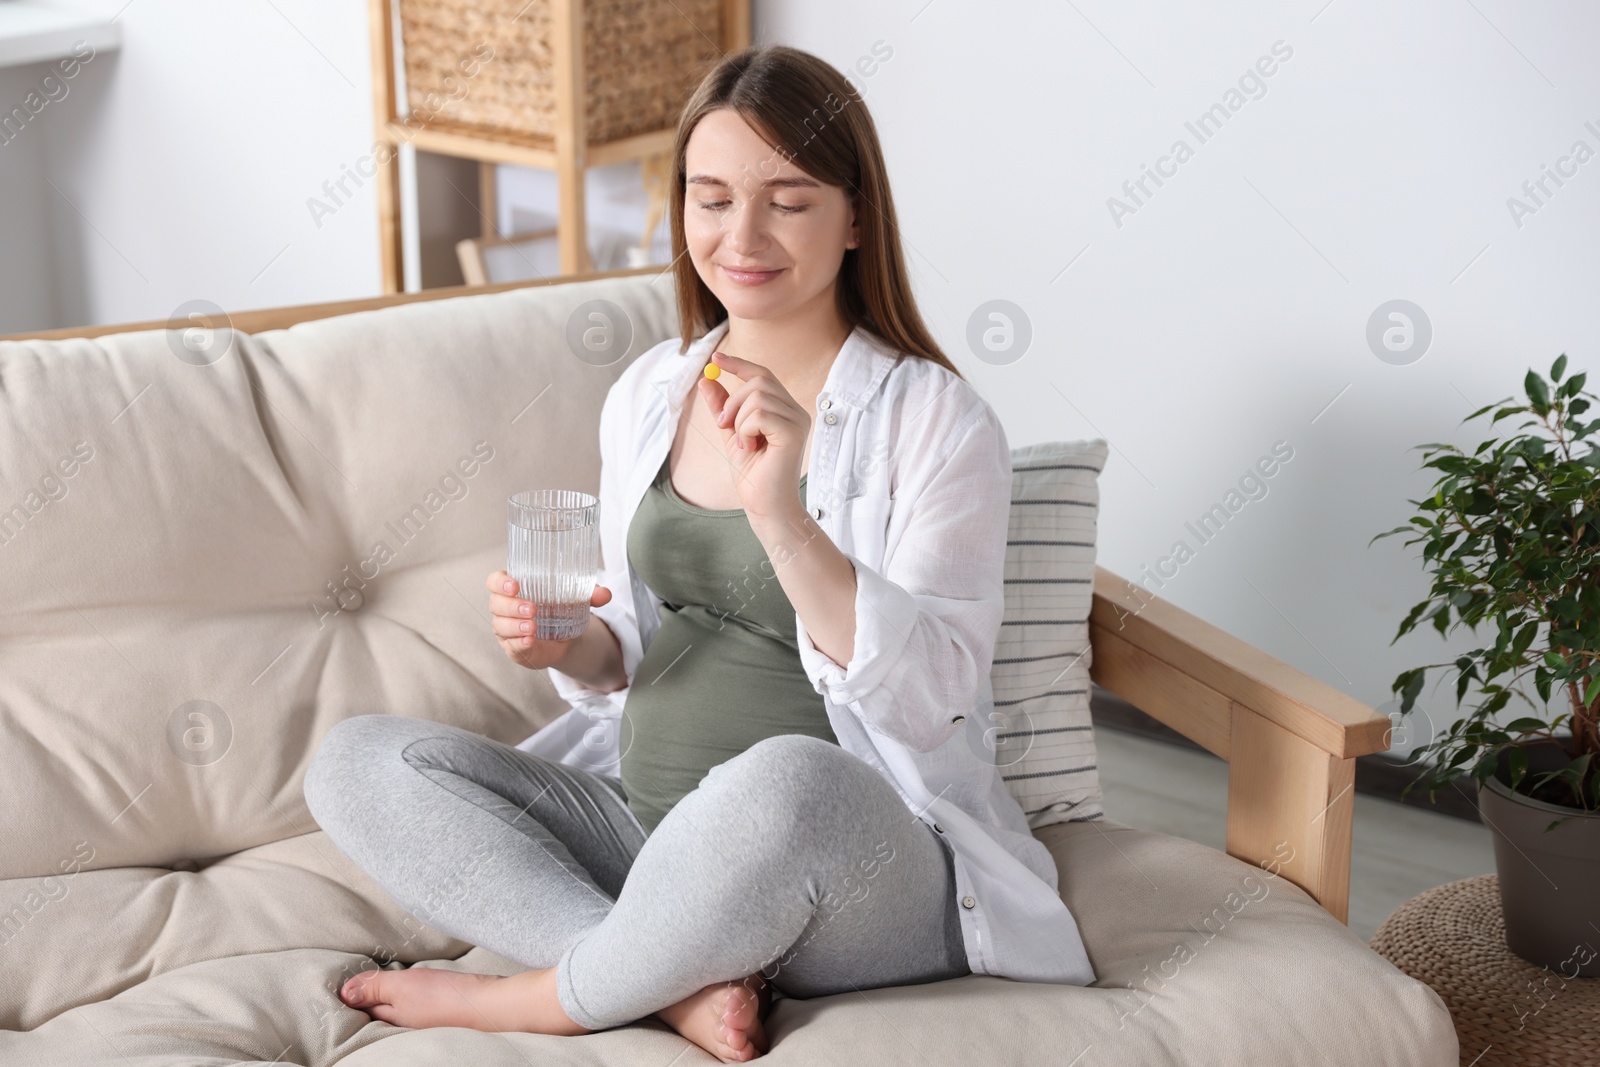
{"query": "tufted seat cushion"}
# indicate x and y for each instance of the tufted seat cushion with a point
(1201, 959)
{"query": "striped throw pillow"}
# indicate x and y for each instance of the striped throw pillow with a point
(1040, 729)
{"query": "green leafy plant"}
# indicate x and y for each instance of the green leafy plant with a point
(1511, 540)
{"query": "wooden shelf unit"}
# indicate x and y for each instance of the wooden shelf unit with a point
(567, 153)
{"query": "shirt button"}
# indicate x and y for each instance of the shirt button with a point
(824, 404)
(816, 513)
(959, 718)
(939, 828)
(968, 902)
(830, 418)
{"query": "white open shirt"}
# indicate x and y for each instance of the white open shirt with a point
(910, 476)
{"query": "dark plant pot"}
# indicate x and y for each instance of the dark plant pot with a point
(1549, 882)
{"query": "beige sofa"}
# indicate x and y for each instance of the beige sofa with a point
(190, 598)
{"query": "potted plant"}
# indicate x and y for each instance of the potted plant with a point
(1511, 537)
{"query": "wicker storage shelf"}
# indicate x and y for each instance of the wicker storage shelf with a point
(641, 60)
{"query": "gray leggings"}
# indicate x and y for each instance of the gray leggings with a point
(794, 858)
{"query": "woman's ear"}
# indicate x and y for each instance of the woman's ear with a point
(854, 239)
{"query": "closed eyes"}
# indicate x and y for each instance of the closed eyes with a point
(787, 209)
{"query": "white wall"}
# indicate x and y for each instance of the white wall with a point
(1220, 318)
(27, 248)
(1230, 310)
(188, 157)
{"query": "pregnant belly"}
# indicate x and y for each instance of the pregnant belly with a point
(706, 690)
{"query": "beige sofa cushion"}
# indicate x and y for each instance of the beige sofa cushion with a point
(169, 662)
(190, 557)
(240, 962)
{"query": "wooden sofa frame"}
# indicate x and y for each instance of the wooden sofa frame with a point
(1290, 740)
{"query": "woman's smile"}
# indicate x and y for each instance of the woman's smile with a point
(750, 275)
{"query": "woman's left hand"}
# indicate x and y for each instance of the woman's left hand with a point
(764, 433)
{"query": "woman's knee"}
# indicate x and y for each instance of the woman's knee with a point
(346, 754)
(791, 772)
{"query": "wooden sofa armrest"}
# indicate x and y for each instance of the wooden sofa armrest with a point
(1290, 740)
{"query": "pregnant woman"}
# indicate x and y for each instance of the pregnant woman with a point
(774, 774)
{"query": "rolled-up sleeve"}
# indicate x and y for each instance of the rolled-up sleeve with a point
(927, 621)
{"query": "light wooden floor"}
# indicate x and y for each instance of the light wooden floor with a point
(1399, 850)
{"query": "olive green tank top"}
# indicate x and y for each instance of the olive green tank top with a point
(724, 670)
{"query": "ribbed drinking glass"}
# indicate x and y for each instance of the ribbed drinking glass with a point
(554, 553)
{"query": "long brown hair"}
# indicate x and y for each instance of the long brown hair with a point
(814, 117)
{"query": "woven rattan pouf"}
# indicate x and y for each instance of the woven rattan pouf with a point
(1506, 1010)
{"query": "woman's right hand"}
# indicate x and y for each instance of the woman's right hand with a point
(513, 622)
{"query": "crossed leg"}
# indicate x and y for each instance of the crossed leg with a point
(793, 863)
(795, 860)
(475, 838)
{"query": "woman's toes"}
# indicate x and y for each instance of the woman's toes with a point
(361, 990)
(741, 1020)
(723, 1018)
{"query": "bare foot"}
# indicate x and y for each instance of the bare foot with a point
(427, 996)
(724, 1018)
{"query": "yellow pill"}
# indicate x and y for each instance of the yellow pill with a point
(713, 371)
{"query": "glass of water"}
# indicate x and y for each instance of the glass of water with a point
(554, 553)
